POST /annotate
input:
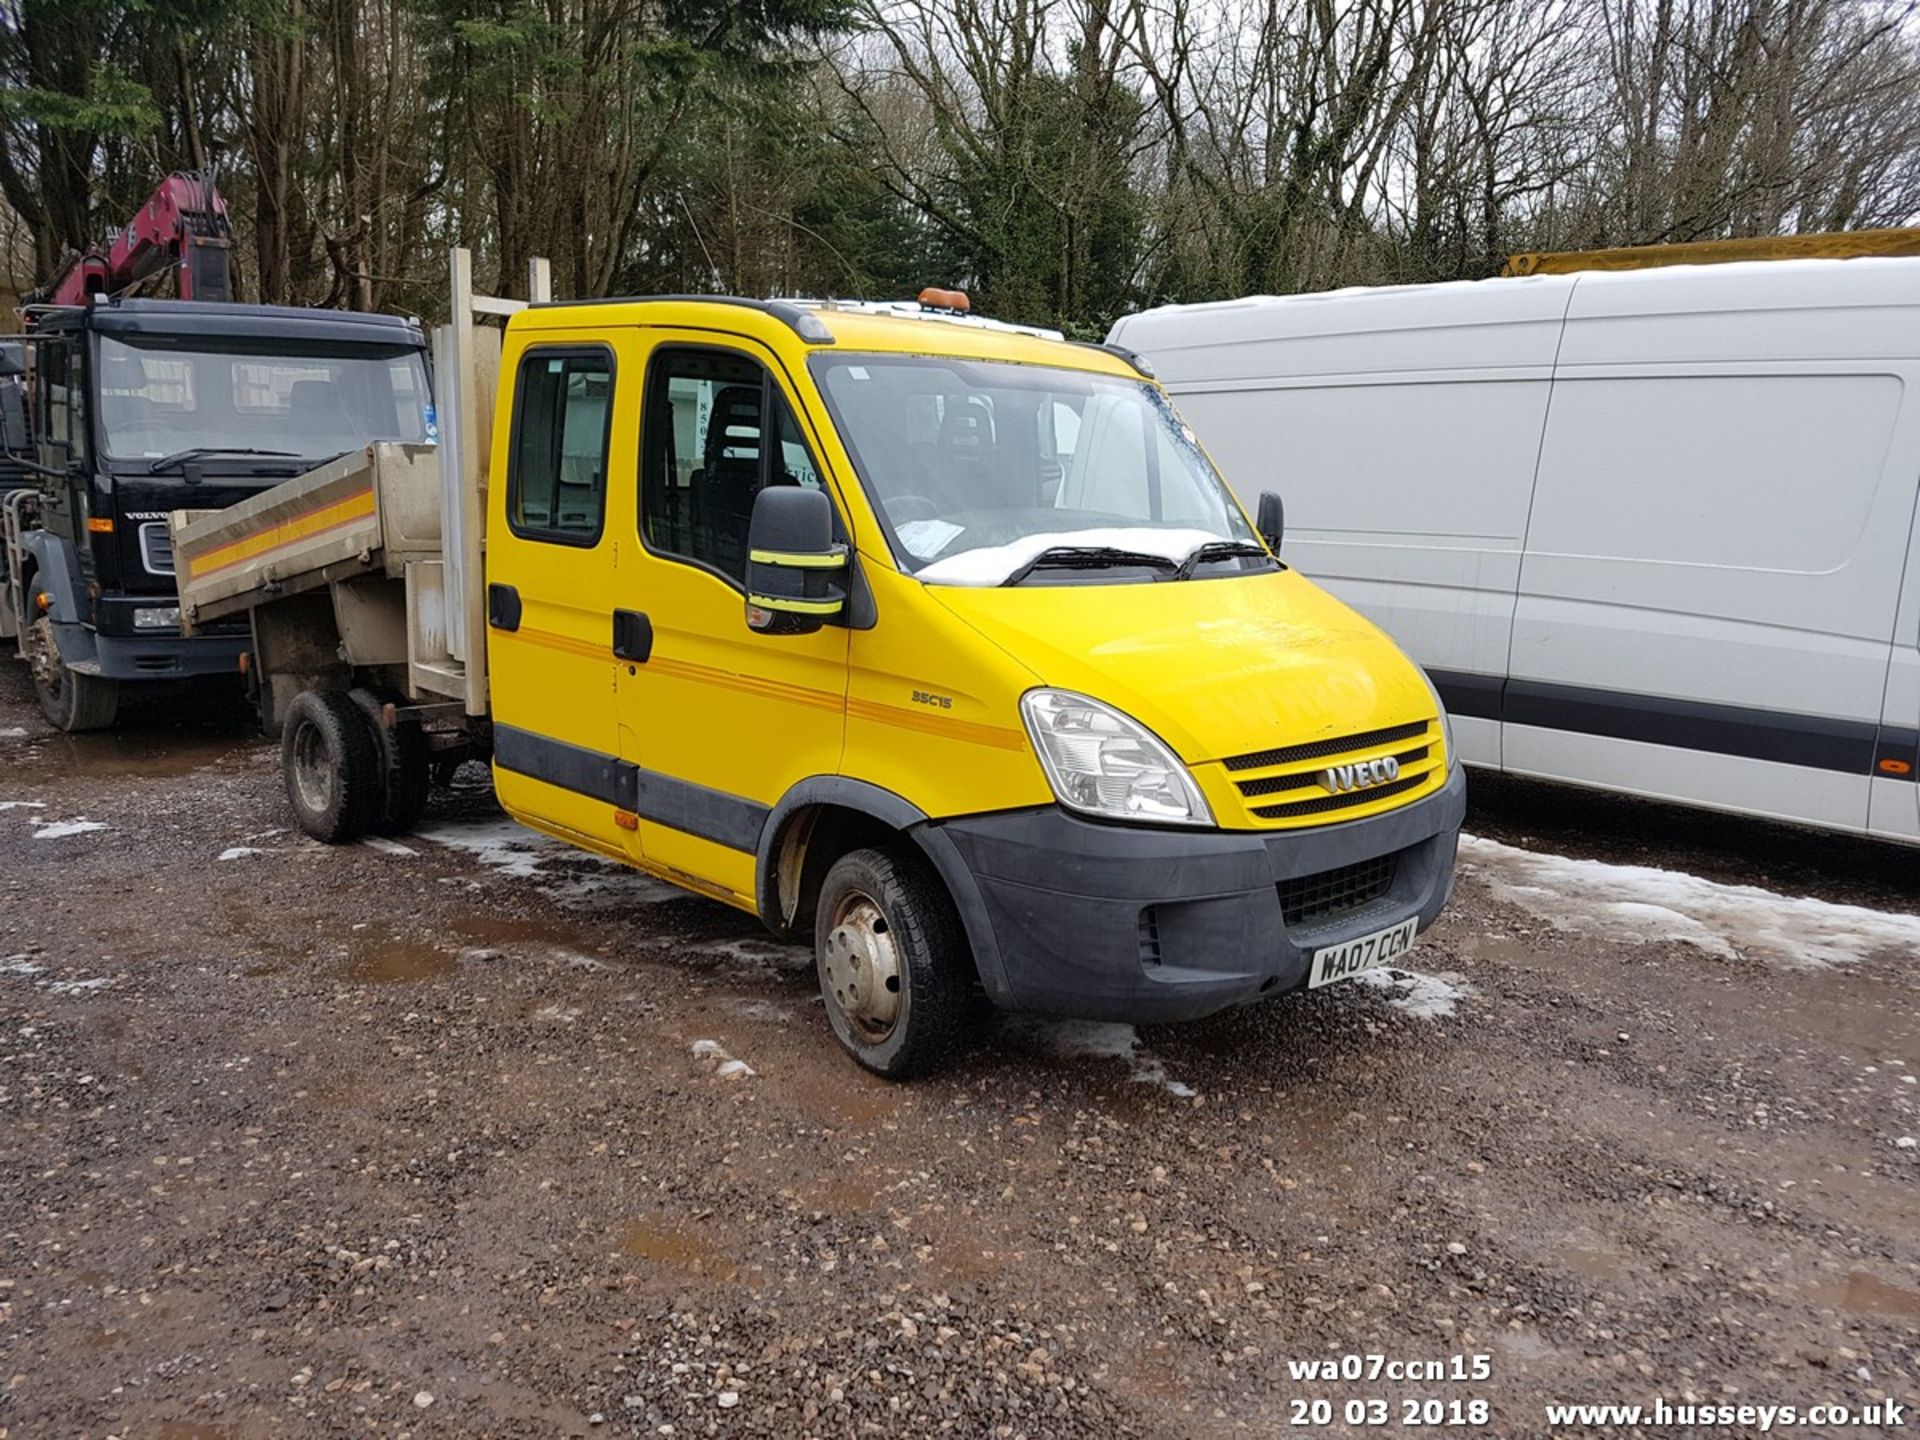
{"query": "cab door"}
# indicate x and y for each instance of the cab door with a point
(716, 720)
(551, 554)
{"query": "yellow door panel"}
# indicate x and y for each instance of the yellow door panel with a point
(719, 720)
(551, 559)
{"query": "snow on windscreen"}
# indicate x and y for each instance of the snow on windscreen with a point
(992, 564)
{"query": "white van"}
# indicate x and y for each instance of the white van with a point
(1651, 531)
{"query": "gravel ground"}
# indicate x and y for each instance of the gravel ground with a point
(442, 1140)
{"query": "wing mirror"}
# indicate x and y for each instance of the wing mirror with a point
(796, 571)
(1271, 520)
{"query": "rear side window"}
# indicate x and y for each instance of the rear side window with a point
(557, 473)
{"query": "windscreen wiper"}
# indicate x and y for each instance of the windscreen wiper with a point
(1086, 557)
(1218, 550)
(197, 451)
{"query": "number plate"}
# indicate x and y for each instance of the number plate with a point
(1383, 947)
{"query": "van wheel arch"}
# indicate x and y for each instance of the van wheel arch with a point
(803, 847)
(825, 817)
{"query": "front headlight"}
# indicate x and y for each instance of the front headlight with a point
(1446, 720)
(1104, 763)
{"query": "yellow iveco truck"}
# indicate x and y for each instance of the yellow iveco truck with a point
(936, 641)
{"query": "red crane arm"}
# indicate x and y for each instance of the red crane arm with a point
(183, 224)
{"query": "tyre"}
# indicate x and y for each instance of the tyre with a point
(331, 765)
(405, 773)
(894, 966)
(70, 702)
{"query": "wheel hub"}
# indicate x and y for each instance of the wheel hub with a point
(862, 967)
(312, 768)
(43, 655)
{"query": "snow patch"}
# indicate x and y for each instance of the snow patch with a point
(575, 878)
(769, 1013)
(992, 564)
(238, 852)
(77, 987)
(386, 846)
(19, 965)
(60, 829)
(1639, 904)
(1101, 1040)
(1426, 997)
(723, 1065)
(21, 805)
(760, 954)
(13, 732)
(497, 844)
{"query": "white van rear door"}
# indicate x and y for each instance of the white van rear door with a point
(1893, 808)
(1718, 537)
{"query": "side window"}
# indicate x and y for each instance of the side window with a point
(557, 471)
(708, 446)
(66, 396)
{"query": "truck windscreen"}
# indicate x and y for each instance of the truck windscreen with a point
(979, 466)
(160, 397)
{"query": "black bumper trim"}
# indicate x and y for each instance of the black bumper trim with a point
(1054, 904)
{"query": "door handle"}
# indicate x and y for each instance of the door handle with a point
(503, 607)
(632, 636)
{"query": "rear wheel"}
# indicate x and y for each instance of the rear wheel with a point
(893, 963)
(405, 772)
(71, 702)
(331, 765)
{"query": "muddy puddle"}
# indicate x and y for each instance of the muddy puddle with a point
(159, 755)
(685, 1250)
(391, 960)
(1866, 1294)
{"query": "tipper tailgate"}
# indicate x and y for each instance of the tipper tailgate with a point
(338, 520)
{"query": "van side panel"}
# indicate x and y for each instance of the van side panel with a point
(1717, 542)
(1402, 428)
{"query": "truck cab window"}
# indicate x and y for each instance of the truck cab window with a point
(557, 473)
(715, 433)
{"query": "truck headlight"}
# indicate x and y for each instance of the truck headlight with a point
(1446, 720)
(1104, 763)
(156, 617)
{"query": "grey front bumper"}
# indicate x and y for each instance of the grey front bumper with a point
(1118, 922)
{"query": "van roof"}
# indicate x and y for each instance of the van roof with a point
(883, 326)
(1760, 284)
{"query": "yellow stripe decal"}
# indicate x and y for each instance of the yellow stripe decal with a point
(797, 607)
(747, 684)
(800, 560)
(968, 732)
(303, 526)
(566, 644)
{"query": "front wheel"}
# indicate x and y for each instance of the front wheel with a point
(331, 765)
(71, 702)
(893, 963)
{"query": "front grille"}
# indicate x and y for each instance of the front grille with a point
(156, 548)
(1333, 892)
(1345, 799)
(1316, 749)
(1273, 784)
